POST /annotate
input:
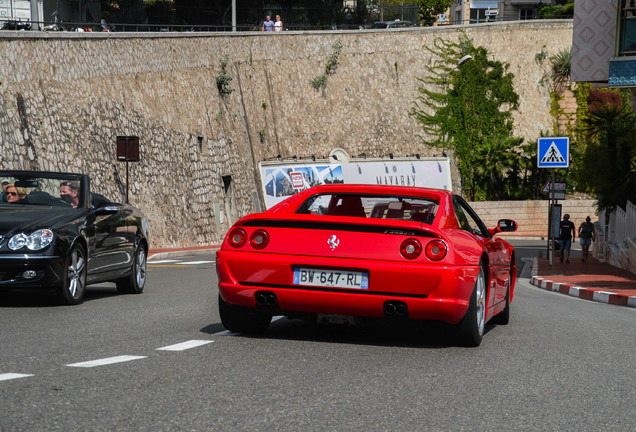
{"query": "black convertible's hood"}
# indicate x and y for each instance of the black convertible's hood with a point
(15, 218)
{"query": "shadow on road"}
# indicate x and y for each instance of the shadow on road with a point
(48, 298)
(434, 335)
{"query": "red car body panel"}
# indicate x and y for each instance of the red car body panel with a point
(433, 290)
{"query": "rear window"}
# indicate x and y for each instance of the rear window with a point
(371, 206)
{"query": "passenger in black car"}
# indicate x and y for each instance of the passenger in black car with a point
(3, 193)
(15, 195)
(69, 192)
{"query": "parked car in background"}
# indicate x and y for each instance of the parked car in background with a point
(352, 251)
(56, 234)
(391, 24)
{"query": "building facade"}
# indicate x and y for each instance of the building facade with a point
(479, 11)
(45, 13)
(604, 43)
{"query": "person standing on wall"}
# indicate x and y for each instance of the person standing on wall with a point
(278, 25)
(268, 24)
(587, 233)
(566, 236)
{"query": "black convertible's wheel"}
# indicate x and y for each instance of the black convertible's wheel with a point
(243, 320)
(471, 327)
(134, 284)
(74, 284)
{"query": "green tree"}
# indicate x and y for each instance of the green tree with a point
(563, 9)
(430, 9)
(467, 108)
(427, 9)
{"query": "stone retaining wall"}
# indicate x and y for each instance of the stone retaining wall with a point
(65, 97)
(532, 216)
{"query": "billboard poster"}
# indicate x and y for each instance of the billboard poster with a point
(283, 179)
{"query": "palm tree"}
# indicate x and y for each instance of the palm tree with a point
(496, 167)
(608, 161)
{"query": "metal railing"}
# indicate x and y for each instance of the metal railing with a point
(621, 224)
(27, 25)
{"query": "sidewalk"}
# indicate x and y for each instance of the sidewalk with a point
(592, 280)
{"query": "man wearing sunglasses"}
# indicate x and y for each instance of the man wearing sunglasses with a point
(69, 192)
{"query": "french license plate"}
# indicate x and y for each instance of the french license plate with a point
(331, 278)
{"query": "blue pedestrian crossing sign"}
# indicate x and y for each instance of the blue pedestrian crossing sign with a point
(553, 152)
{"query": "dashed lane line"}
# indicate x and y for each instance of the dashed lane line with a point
(106, 361)
(174, 263)
(184, 345)
(117, 359)
(179, 262)
(10, 376)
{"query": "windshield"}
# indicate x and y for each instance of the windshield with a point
(371, 206)
(40, 189)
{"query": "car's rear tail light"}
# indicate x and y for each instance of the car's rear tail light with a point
(237, 237)
(436, 250)
(259, 239)
(411, 248)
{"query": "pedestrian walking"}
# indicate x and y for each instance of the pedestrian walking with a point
(566, 236)
(587, 234)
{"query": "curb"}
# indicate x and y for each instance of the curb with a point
(584, 293)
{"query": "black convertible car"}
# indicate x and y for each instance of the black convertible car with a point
(54, 233)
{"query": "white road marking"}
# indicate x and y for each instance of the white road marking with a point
(10, 376)
(195, 262)
(164, 261)
(106, 361)
(184, 345)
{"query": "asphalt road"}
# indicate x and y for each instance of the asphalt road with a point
(561, 364)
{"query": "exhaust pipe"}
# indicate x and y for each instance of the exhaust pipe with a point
(266, 299)
(395, 309)
(401, 309)
(389, 308)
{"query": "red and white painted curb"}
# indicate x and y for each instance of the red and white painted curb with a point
(583, 293)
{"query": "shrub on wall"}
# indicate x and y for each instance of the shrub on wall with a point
(470, 112)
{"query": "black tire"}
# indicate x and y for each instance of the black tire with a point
(135, 282)
(242, 319)
(74, 280)
(503, 317)
(470, 330)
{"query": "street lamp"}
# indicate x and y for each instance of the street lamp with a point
(233, 15)
(461, 61)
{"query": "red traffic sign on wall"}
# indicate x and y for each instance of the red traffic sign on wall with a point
(558, 187)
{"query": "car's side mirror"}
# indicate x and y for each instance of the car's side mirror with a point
(504, 225)
(106, 210)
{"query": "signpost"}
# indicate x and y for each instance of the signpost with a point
(553, 152)
(127, 151)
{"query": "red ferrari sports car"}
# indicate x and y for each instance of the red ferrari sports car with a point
(367, 251)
